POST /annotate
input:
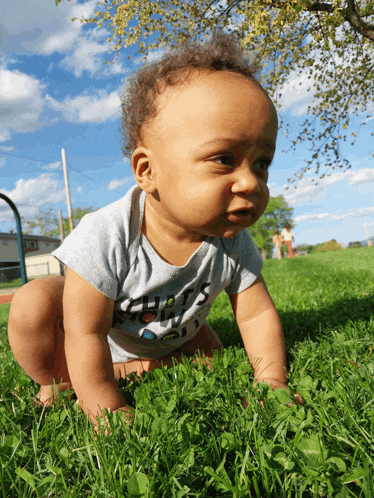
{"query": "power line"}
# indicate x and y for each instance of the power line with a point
(50, 162)
(28, 158)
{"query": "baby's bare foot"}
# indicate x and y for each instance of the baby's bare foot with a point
(48, 395)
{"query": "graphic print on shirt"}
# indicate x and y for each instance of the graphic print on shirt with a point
(168, 313)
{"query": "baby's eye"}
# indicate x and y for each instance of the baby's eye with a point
(263, 164)
(226, 160)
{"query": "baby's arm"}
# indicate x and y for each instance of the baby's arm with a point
(88, 317)
(261, 330)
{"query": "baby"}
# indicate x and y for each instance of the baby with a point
(143, 272)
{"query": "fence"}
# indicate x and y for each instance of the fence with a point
(34, 271)
(9, 273)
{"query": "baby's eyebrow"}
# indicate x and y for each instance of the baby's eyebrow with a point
(232, 141)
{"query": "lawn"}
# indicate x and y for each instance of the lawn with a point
(191, 437)
(14, 283)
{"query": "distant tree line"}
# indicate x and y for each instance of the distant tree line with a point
(46, 222)
(331, 245)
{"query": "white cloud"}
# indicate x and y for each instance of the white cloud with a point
(363, 176)
(367, 210)
(337, 177)
(367, 120)
(4, 134)
(118, 183)
(79, 189)
(29, 195)
(42, 28)
(85, 57)
(314, 217)
(115, 68)
(311, 217)
(88, 108)
(53, 166)
(307, 190)
(341, 217)
(2, 162)
(152, 56)
(46, 29)
(296, 94)
(22, 103)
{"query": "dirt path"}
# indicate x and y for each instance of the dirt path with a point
(6, 295)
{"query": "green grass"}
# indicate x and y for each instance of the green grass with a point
(191, 437)
(14, 283)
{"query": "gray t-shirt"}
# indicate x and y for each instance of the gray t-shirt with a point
(158, 306)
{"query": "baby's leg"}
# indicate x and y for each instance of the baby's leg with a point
(205, 341)
(36, 335)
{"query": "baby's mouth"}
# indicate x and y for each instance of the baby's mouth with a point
(242, 212)
(239, 216)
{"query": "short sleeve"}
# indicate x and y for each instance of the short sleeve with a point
(94, 251)
(248, 263)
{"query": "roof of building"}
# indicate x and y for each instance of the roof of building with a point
(4, 235)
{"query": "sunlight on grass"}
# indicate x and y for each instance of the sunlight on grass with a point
(191, 437)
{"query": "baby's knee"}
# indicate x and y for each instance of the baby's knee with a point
(36, 302)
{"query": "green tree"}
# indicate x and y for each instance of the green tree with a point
(331, 245)
(354, 245)
(330, 45)
(308, 248)
(276, 214)
(46, 223)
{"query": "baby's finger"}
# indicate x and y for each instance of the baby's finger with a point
(298, 398)
(127, 414)
(246, 404)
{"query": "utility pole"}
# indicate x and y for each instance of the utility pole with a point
(67, 189)
(367, 233)
(61, 225)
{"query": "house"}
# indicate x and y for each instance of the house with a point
(38, 258)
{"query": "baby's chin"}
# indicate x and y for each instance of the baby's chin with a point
(231, 232)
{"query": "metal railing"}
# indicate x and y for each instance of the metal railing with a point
(21, 251)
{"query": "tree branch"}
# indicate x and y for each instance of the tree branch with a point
(313, 7)
(351, 15)
(364, 28)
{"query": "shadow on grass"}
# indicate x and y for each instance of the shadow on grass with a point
(311, 324)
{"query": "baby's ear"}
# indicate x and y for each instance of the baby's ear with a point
(142, 169)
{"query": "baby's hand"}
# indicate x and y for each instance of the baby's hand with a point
(274, 384)
(125, 412)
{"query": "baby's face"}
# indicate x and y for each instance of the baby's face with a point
(210, 147)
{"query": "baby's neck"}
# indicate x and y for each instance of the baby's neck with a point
(173, 244)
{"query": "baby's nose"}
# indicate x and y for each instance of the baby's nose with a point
(247, 182)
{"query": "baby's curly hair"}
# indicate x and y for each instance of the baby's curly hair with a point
(222, 52)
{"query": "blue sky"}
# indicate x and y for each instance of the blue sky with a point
(57, 92)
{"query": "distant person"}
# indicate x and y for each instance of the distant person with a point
(278, 242)
(287, 235)
(143, 272)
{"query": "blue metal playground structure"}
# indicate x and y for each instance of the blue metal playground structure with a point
(21, 250)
